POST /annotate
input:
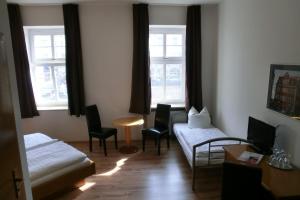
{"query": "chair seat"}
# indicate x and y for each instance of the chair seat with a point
(154, 131)
(104, 132)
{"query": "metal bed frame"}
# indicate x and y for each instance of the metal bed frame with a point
(210, 145)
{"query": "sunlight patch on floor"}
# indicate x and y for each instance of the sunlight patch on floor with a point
(86, 186)
(114, 170)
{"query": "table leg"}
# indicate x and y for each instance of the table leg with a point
(128, 148)
(127, 135)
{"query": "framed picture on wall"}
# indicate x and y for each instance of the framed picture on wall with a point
(284, 90)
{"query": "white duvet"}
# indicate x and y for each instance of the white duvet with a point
(35, 140)
(50, 157)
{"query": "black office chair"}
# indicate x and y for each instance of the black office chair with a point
(96, 130)
(161, 126)
(243, 182)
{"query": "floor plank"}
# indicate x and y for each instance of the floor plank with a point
(145, 176)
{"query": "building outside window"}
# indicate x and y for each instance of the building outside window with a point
(46, 53)
(167, 65)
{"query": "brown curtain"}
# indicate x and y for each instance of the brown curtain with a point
(193, 58)
(25, 91)
(141, 84)
(74, 64)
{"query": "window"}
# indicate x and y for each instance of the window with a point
(167, 65)
(46, 52)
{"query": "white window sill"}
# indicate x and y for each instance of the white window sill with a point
(53, 108)
(173, 107)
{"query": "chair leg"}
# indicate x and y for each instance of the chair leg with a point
(91, 144)
(144, 141)
(116, 141)
(104, 146)
(155, 142)
(100, 142)
(158, 148)
(168, 141)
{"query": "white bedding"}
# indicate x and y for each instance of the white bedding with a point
(35, 140)
(57, 173)
(188, 137)
(50, 157)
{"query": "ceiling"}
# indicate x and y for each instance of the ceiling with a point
(155, 2)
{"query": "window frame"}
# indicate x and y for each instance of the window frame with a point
(169, 29)
(30, 32)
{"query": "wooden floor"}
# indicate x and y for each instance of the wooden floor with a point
(146, 176)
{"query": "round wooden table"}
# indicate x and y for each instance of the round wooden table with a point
(127, 123)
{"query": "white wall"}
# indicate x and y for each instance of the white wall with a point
(252, 35)
(167, 15)
(107, 55)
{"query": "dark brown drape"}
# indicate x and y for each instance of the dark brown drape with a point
(74, 64)
(141, 84)
(193, 58)
(25, 91)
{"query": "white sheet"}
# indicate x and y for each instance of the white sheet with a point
(51, 157)
(189, 137)
(35, 140)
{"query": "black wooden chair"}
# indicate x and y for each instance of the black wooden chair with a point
(243, 182)
(96, 130)
(161, 126)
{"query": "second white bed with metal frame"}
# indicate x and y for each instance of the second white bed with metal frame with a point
(203, 147)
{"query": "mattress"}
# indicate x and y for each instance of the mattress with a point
(188, 137)
(60, 172)
(49, 158)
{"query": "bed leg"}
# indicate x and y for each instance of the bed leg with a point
(194, 169)
(193, 179)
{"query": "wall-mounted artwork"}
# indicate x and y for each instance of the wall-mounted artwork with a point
(284, 90)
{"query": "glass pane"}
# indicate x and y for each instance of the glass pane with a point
(174, 82)
(59, 40)
(156, 39)
(60, 52)
(44, 86)
(174, 39)
(174, 51)
(42, 53)
(60, 79)
(157, 82)
(156, 51)
(42, 40)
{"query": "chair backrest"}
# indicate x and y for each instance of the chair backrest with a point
(162, 116)
(92, 118)
(241, 182)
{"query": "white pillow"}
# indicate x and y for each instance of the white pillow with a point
(199, 120)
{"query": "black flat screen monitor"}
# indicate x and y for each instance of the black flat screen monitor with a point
(262, 135)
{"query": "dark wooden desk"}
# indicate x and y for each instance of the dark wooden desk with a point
(283, 184)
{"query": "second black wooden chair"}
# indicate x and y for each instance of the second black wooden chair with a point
(96, 130)
(161, 126)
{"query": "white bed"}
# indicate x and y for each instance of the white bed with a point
(50, 158)
(188, 137)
